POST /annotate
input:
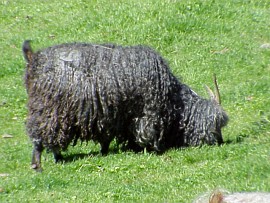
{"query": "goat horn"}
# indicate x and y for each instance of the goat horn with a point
(217, 94)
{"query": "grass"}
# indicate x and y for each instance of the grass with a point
(198, 38)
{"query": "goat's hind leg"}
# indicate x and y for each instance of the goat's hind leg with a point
(36, 156)
(58, 157)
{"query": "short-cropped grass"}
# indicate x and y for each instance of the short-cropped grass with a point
(201, 37)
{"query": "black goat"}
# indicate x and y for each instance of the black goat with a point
(96, 92)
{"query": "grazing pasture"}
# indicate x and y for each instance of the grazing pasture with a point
(197, 38)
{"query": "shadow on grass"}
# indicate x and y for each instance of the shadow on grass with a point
(77, 156)
(73, 157)
(239, 139)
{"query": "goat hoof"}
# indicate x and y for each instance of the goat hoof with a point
(36, 168)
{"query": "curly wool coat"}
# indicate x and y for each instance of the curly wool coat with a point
(101, 92)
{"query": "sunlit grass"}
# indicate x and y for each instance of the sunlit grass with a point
(198, 38)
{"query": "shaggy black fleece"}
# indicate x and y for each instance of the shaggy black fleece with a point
(97, 92)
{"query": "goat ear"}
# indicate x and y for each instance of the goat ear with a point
(210, 93)
(214, 96)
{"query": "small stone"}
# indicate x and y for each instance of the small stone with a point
(4, 174)
(7, 136)
(265, 46)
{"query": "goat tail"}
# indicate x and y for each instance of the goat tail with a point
(27, 51)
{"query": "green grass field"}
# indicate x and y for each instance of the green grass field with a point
(198, 38)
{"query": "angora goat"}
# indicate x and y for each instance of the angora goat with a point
(85, 92)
